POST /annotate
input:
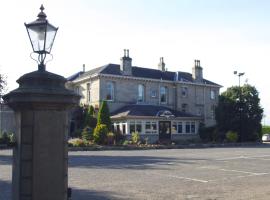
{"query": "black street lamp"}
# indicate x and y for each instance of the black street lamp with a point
(41, 34)
(239, 74)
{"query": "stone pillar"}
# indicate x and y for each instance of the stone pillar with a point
(40, 156)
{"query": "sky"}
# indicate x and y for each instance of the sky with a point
(225, 35)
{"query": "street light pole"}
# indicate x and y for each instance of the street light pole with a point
(239, 74)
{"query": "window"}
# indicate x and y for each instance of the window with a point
(150, 127)
(135, 126)
(187, 127)
(138, 127)
(109, 91)
(140, 93)
(163, 94)
(77, 90)
(179, 127)
(132, 127)
(213, 94)
(124, 128)
(184, 91)
(190, 127)
(212, 111)
(174, 127)
(88, 95)
(184, 107)
(153, 93)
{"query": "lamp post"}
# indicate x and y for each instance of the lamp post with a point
(41, 34)
(41, 103)
(239, 74)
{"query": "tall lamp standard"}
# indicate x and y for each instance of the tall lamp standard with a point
(41, 104)
(239, 74)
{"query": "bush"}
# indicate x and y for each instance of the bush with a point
(104, 115)
(76, 142)
(119, 137)
(208, 134)
(100, 134)
(265, 130)
(135, 137)
(87, 133)
(232, 136)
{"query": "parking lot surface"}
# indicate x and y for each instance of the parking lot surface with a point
(212, 173)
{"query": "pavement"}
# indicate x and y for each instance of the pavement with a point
(230, 173)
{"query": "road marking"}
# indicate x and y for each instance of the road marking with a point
(182, 177)
(252, 173)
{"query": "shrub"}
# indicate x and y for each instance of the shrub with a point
(135, 137)
(208, 134)
(4, 138)
(100, 134)
(265, 130)
(104, 115)
(87, 133)
(232, 136)
(119, 137)
(76, 142)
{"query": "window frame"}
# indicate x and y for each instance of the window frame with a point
(141, 93)
(109, 91)
(165, 93)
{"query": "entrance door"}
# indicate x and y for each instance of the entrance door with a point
(165, 130)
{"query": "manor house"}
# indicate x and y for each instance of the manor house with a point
(158, 104)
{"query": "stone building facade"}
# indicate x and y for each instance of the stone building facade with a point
(158, 104)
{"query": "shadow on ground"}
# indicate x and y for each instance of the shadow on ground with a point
(122, 162)
(5, 190)
(78, 194)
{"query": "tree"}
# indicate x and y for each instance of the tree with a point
(239, 110)
(104, 115)
(3, 85)
(100, 134)
(89, 117)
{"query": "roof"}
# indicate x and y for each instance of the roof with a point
(137, 110)
(140, 72)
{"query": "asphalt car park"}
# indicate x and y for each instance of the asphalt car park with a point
(207, 173)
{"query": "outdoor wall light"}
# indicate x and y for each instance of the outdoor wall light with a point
(41, 34)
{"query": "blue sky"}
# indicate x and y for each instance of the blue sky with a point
(226, 35)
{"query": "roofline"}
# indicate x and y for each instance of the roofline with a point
(158, 80)
(154, 117)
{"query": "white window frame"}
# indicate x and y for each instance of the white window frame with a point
(151, 130)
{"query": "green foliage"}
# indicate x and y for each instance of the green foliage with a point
(4, 138)
(242, 115)
(89, 117)
(100, 134)
(3, 84)
(265, 130)
(232, 136)
(208, 134)
(104, 115)
(87, 133)
(135, 137)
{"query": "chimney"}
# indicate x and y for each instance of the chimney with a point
(126, 63)
(197, 72)
(161, 64)
(83, 67)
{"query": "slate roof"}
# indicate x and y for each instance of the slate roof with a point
(140, 72)
(137, 110)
